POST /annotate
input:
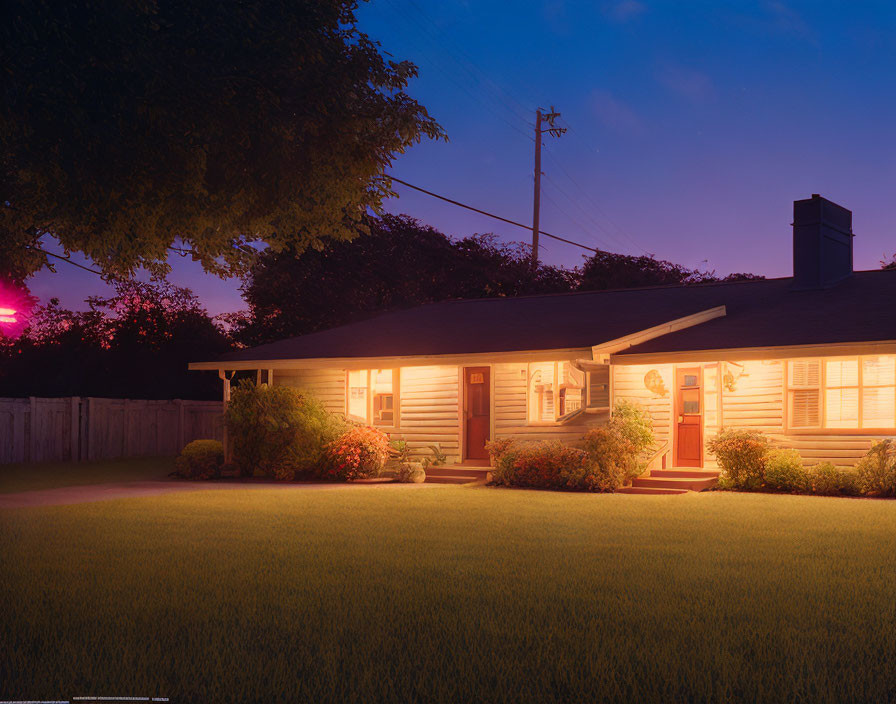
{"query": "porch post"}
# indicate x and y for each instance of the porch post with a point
(224, 401)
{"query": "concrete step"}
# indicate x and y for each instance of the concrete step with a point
(451, 479)
(684, 483)
(684, 473)
(652, 491)
(459, 470)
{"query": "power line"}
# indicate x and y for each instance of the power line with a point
(67, 259)
(596, 224)
(491, 215)
(593, 202)
(559, 208)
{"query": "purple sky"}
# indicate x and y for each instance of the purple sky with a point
(692, 127)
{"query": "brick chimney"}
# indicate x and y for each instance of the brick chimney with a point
(822, 243)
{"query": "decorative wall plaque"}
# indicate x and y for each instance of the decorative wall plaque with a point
(653, 382)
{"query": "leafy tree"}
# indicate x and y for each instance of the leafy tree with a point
(128, 127)
(606, 270)
(134, 344)
(400, 263)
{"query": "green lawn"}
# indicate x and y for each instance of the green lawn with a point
(450, 595)
(49, 475)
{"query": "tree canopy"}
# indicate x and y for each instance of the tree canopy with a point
(401, 263)
(134, 344)
(606, 270)
(131, 127)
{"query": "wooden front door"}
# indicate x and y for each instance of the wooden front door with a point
(688, 417)
(477, 412)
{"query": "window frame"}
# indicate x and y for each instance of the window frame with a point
(823, 428)
(396, 397)
(533, 416)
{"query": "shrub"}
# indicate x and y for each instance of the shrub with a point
(849, 482)
(876, 471)
(278, 431)
(200, 459)
(612, 457)
(827, 480)
(784, 471)
(358, 453)
(741, 455)
(547, 465)
(498, 448)
(633, 423)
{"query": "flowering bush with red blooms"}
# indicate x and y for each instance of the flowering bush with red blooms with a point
(358, 453)
(742, 455)
(545, 465)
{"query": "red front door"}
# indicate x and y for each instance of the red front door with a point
(689, 417)
(477, 412)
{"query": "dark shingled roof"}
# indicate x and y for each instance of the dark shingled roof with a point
(768, 314)
(759, 313)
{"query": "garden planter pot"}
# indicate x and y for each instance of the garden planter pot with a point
(412, 472)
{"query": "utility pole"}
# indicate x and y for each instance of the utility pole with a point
(554, 132)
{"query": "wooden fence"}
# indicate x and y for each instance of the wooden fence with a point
(79, 429)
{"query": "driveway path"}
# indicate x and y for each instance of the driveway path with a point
(103, 492)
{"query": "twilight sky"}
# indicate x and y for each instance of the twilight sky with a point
(692, 127)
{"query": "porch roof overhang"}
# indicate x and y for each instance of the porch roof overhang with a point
(582, 355)
(570, 354)
(740, 354)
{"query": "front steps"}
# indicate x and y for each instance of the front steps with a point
(456, 474)
(677, 480)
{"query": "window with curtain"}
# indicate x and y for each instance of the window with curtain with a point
(847, 393)
(556, 391)
(371, 396)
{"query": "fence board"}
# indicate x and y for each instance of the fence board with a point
(78, 429)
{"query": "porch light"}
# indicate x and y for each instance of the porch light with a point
(733, 372)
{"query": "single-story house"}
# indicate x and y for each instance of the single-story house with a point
(809, 359)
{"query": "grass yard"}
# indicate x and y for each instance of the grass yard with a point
(50, 475)
(451, 594)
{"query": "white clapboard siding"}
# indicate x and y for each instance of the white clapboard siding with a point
(429, 413)
(428, 403)
(628, 384)
(757, 401)
(327, 385)
(510, 408)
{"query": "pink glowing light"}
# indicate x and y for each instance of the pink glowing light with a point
(15, 306)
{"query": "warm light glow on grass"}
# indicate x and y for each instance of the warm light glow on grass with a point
(492, 595)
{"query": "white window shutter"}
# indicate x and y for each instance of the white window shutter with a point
(805, 408)
(805, 373)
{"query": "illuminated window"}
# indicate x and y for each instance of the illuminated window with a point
(878, 392)
(841, 393)
(556, 390)
(383, 392)
(372, 396)
(849, 393)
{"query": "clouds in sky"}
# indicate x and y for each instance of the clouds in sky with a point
(615, 114)
(688, 83)
(624, 10)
